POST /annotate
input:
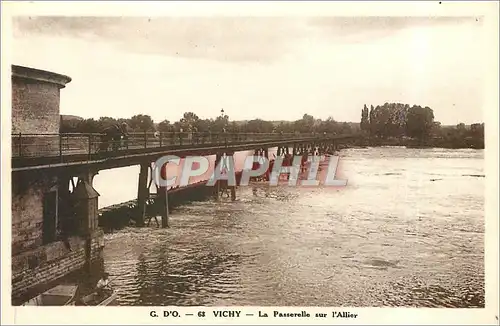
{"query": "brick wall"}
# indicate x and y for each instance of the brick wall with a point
(35, 265)
(34, 270)
(35, 106)
(27, 210)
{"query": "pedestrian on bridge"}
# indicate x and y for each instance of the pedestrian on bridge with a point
(124, 137)
(116, 135)
(107, 137)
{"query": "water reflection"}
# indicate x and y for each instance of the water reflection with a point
(184, 277)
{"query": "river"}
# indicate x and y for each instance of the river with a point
(407, 230)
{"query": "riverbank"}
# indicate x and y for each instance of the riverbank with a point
(465, 143)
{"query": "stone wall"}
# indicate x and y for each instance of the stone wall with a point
(27, 209)
(35, 107)
(36, 270)
(36, 266)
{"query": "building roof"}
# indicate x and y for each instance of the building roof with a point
(40, 75)
(85, 191)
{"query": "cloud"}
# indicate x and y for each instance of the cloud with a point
(360, 29)
(229, 39)
(310, 65)
(220, 38)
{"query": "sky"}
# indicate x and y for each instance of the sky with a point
(258, 67)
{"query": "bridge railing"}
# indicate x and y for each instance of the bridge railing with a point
(48, 145)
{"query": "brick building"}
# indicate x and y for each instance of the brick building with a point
(54, 231)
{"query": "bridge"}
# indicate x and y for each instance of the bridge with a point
(55, 220)
(79, 151)
(67, 230)
(66, 156)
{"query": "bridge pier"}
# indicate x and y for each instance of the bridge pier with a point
(217, 187)
(86, 206)
(299, 149)
(142, 194)
(233, 192)
(163, 197)
(230, 166)
(321, 148)
(224, 162)
(87, 176)
(332, 147)
(264, 152)
(283, 150)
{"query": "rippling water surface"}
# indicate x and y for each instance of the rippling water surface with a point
(408, 230)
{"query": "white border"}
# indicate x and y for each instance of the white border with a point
(374, 316)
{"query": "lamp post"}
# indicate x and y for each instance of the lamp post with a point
(222, 116)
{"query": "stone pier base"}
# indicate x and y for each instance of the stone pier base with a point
(36, 271)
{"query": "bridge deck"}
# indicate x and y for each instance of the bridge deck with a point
(33, 152)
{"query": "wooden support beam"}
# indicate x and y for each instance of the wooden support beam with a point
(165, 211)
(218, 158)
(233, 193)
(142, 194)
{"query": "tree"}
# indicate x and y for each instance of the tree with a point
(105, 122)
(259, 125)
(364, 125)
(88, 126)
(282, 127)
(203, 125)
(69, 125)
(165, 126)
(388, 120)
(176, 126)
(381, 118)
(476, 134)
(397, 119)
(461, 128)
(305, 125)
(345, 128)
(329, 126)
(220, 123)
(141, 122)
(419, 122)
(234, 127)
(372, 121)
(477, 130)
(189, 121)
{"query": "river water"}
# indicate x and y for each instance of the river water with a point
(407, 230)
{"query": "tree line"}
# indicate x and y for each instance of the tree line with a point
(190, 122)
(387, 124)
(402, 124)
